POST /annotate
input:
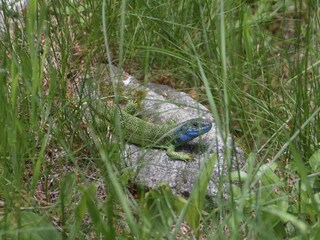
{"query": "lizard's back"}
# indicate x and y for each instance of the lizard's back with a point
(140, 132)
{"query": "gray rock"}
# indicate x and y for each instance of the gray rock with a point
(154, 167)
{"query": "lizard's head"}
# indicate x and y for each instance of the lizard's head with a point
(190, 129)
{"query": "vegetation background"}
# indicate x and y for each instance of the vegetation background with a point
(258, 59)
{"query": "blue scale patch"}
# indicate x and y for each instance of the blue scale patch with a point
(189, 130)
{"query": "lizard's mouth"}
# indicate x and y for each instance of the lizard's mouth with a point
(198, 130)
(195, 130)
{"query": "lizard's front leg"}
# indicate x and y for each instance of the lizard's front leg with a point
(178, 155)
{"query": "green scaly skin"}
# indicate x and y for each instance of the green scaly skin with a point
(143, 133)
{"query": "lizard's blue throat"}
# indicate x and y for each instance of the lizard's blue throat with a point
(189, 130)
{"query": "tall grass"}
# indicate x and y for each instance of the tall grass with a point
(255, 64)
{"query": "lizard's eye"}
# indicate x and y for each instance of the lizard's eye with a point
(195, 124)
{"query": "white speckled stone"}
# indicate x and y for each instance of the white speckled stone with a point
(154, 167)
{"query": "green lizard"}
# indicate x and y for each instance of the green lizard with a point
(166, 136)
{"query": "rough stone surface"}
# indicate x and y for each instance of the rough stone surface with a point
(154, 167)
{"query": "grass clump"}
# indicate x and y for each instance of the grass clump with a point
(255, 63)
